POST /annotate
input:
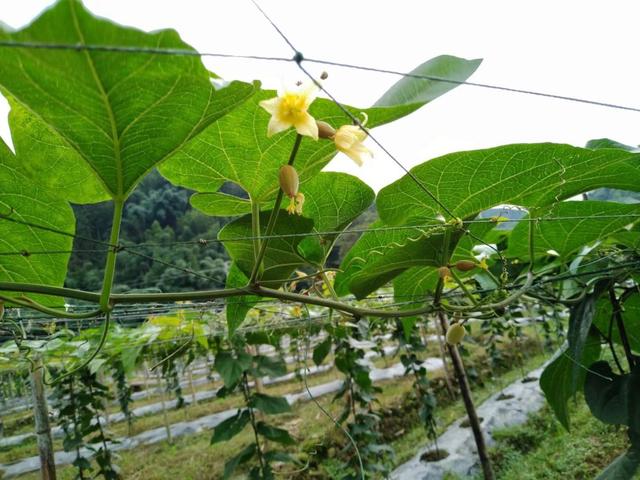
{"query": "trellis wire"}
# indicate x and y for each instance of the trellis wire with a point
(203, 242)
(193, 53)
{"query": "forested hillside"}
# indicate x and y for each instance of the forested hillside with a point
(157, 214)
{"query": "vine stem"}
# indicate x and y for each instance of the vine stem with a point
(43, 428)
(29, 303)
(110, 265)
(465, 390)
(273, 217)
(458, 367)
(252, 418)
(617, 314)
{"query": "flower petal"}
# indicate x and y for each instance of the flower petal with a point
(270, 105)
(276, 126)
(308, 127)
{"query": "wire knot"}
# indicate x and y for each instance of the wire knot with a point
(298, 57)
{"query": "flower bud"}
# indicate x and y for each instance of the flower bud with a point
(289, 181)
(465, 265)
(455, 334)
(444, 272)
(325, 130)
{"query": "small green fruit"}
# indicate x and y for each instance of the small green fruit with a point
(455, 334)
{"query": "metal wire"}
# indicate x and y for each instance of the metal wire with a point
(192, 53)
(203, 242)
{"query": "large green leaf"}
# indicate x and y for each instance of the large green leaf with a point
(585, 223)
(379, 256)
(26, 259)
(333, 201)
(529, 175)
(372, 247)
(281, 256)
(119, 114)
(237, 149)
(411, 90)
(221, 204)
(556, 380)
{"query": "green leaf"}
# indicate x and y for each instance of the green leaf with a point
(243, 457)
(230, 427)
(22, 200)
(236, 148)
(622, 468)
(529, 175)
(322, 350)
(231, 368)
(628, 239)
(118, 114)
(220, 204)
(608, 143)
(238, 307)
(556, 379)
(270, 366)
(281, 257)
(332, 200)
(275, 434)
(416, 282)
(607, 394)
(592, 221)
(269, 405)
(410, 90)
(52, 161)
(382, 255)
(615, 399)
(630, 319)
(580, 328)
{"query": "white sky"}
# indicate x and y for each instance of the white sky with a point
(578, 48)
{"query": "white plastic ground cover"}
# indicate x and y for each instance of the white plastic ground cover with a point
(509, 407)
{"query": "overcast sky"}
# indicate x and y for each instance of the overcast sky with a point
(578, 48)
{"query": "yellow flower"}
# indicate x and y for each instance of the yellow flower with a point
(483, 264)
(289, 109)
(349, 138)
(295, 203)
